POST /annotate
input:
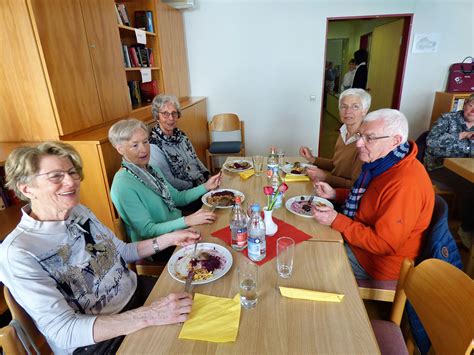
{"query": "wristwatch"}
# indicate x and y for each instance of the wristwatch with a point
(156, 247)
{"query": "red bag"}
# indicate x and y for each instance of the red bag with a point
(461, 76)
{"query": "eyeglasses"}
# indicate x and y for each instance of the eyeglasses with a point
(57, 176)
(354, 107)
(367, 138)
(174, 114)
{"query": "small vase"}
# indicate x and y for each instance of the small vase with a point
(270, 226)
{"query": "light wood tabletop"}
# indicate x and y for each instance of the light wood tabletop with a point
(461, 166)
(278, 325)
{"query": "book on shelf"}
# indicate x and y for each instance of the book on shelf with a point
(135, 94)
(133, 57)
(117, 13)
(142, 54)
(126, 56)
(149, 90)
(144, 20)
(460, 104)
(122, 9)
(151, 58)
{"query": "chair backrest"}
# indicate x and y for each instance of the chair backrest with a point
(225, 122)
(442, 296)
(421, 144)
(27, 323)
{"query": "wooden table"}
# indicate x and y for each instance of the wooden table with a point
(277, 325)
(461, 166)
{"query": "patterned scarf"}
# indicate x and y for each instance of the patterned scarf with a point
(151, 179)
(178, 160)
(371, 171)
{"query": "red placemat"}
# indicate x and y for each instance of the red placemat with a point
(284, 230)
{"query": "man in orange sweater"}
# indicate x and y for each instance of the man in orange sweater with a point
(391, 203)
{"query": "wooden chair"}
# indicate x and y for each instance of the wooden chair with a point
(442, 296)
(19, 314)
(225, 122)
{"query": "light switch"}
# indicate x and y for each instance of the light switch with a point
(312, 98)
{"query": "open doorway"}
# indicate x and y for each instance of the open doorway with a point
(385, 39)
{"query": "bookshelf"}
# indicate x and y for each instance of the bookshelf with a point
(447, 102)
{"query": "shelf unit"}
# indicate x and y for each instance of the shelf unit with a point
(447, 102)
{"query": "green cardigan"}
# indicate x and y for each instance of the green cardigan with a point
(144, 212)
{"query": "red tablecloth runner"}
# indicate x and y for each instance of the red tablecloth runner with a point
(284, 230)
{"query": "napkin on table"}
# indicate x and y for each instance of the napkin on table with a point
(310, 295)
(214, 319)
(247, 173)
(294, 177)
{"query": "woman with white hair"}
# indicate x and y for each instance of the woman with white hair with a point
(145, 200)
(344, 167)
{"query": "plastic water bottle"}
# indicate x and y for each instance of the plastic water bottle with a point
(275, 181)
(272, 160)
(257, 245)
(238, 226)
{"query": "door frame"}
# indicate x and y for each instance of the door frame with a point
(402, 58)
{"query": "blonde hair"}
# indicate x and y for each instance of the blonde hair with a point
(23, 163)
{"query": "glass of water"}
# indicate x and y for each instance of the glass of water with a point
(281, 157)
(258, 164)
(248, 272)
(285, 255)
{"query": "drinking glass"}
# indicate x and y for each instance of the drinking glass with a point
(248, 284)
(281, 157)
(258, 164)
(285, 254)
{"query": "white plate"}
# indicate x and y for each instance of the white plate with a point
(236, 193)
(290, 201)
(230, 162)
(288, 167)
(179, 261)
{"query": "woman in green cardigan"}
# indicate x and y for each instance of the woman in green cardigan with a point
(144, 199)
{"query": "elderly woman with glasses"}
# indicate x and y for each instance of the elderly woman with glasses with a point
(69, 271)
(171, 150)
(344, 167)
(145, 200)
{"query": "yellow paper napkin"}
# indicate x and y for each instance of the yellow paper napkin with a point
(310, 295)
(214, 319)
(247, 173)
(294, 177)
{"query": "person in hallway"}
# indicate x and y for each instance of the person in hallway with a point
(349, 76)
(360, 77)
(145, 200)
(452, 135)
(344, 167)
(171, 150)
(67, 270)
(329, 77)
(390, 205)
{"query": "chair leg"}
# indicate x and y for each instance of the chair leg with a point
(209, 161)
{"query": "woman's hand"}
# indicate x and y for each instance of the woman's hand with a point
(466, 135)
(324, 215)
(315, 174)
(200, 217)
(171, 309)
(324, 190)
(184, 237)
(214, 182)
(305, 152)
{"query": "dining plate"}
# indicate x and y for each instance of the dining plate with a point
(217, 196)
(238, 166)
(295, 204)
(180, 263)
(289, 169)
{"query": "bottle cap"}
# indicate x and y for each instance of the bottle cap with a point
(255, 207)
(237, 199)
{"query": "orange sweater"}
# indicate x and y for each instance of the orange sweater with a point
(393, 214)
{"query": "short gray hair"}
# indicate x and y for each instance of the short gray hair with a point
(394, 122)
(23, 163)
(122, 131)
(363, 95)
(160, 101)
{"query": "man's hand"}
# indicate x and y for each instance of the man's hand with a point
(324, 190)
(200, 217)
(305, 152)
(324, 215)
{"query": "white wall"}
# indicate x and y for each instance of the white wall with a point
(263, 59)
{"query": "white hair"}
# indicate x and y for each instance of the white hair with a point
(394, 122)
(363, 95)
(123, 130)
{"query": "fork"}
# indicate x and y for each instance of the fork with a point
(307, 205)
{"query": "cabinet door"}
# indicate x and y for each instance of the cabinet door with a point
(107, 58)
(193, 122)
(68, 61)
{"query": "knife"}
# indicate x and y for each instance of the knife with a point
(189, 281)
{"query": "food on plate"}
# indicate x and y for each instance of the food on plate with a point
(238, 165)
(204, 266)
(297, 169)
(222, 198)
(302, 207)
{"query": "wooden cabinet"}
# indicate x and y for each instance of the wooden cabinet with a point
(447, 102)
